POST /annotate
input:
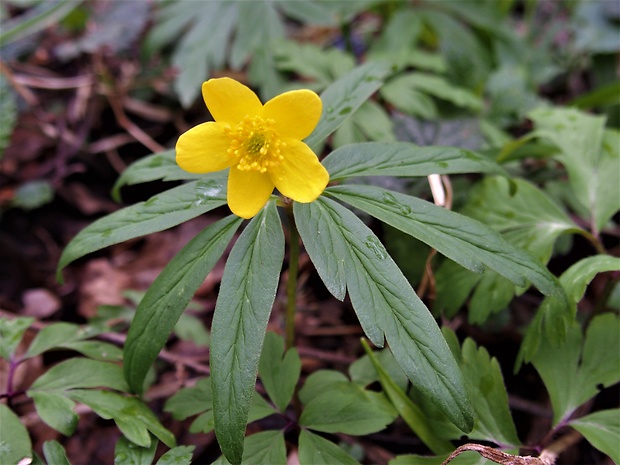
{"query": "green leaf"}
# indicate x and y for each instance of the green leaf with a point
(36, 19)
(468, 60)
(96, 350)
(346, 407)
(572, 372)
(153, 167)
(403, 90)
(591, 156)
(279, 372)
(191, 328)
(409, 412)
(33, 194)
(398, 35)
(404, 159)
(160, 212)
(492, 294)
(242, 310)
(198, 399)
(363, 371)
(486, 386)
(160, 308)
(127, 453)
(524, 214)
(54, 335)
(80, 373)
(51, 390)
(11, 333)
(70, 336)
(468, 242)
(264, 447)
(190, 401)
(8, 114)
(554, 315)
(370, 122)
(180, 455)
(602, 430)
(527, 218)
(318, 382)
(385, 303)
(261, 25)
(55, 410)
(603, 96)
(342, 98)
(131, 415)
(55, 454)
(311, 61)
(315, 450)
(202, 48)
(15, 444)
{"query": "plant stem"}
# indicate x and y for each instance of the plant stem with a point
(291, 285)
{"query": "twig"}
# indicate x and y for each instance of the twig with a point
(547, 457)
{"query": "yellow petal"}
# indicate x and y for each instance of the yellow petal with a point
(296, 113)
(248, 192)
(204, 149)
(230, 101)
(300, 176)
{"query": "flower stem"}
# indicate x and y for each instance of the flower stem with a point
(291, 286)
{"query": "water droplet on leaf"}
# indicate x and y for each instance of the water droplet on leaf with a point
(150, 201)
(376, 247)
(206, 190)
(390, 200)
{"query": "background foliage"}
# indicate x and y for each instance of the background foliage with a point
(513, 105)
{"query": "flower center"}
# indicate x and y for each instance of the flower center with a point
(255, 144)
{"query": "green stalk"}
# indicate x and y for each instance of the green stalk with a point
(291, 285)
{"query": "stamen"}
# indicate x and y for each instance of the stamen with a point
(255, 144)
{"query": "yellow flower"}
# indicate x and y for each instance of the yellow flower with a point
(262, 145)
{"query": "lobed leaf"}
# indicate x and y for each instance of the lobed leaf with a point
(63, 335)
(160, 212)
(36, 19)
(50, 392)
(264, 447)
(408, 91)
(468, 242)
(16, 443)
(278, 371)
(484, 379)
(573, 371)
(198, 399)
(180, 455)
(345, 407)
(80, 373)
(55, 410)
(161, 307)
(316, 450)
(242, 310)
(127, 453)
(131, 415)
(602, 430)
(55, 454)
(591, 156)
(11, 333)
(385, 303)
(555, 315)
(409, 411)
